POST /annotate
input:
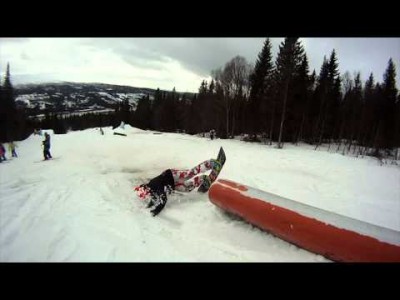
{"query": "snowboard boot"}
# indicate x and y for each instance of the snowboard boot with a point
(205, 185)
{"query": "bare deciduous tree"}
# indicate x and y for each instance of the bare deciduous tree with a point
(234, 79)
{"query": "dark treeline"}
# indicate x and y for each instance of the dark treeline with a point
(284, 102)
(279, 101)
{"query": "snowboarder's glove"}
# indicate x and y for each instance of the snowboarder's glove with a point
(159, 203)
(150, 204)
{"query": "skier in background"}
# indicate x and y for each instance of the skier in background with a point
(2, 153)
(11, 147)
(212, 134)
(46, 146)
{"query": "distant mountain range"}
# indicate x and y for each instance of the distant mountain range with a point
(76, 98)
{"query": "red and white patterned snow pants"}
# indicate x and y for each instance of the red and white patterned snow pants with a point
(183, 178)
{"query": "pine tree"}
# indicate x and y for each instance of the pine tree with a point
(368, 117)
(389, 81)
(303, 95)
(327, 95)
(288, 60)
(356, 107)
(203, 88)
(143, 112)
(156, 108)
(8, 118)
(389, 94)
(334, 98)
(260, 81)
(333, 66)
(219, 110)
(380, 112)
(211, 87)
(369, 86)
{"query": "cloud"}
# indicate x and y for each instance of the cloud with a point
(355, 54)
(169, 62)
(200, 55)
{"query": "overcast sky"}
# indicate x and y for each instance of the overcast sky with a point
(173, 62)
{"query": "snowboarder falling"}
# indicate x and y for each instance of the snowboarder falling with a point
(181, 180)
(46, 147)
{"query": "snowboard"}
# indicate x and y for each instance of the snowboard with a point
(50, 159)
(208, 180)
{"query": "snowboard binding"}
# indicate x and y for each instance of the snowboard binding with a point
(217, 165)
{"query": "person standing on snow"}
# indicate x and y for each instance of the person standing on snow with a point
(2, 153)
(11, 148)
(212, 134)
(46, 147)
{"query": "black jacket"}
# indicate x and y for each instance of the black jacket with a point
(161, 182)
(46, 143)
(159, 186)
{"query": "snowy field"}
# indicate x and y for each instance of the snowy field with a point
(80, 207)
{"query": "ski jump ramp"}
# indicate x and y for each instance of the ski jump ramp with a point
(331, 235)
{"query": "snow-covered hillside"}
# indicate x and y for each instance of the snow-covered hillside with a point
(81, 207)
(71, 98)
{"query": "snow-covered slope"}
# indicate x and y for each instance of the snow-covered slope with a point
(81, 207)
